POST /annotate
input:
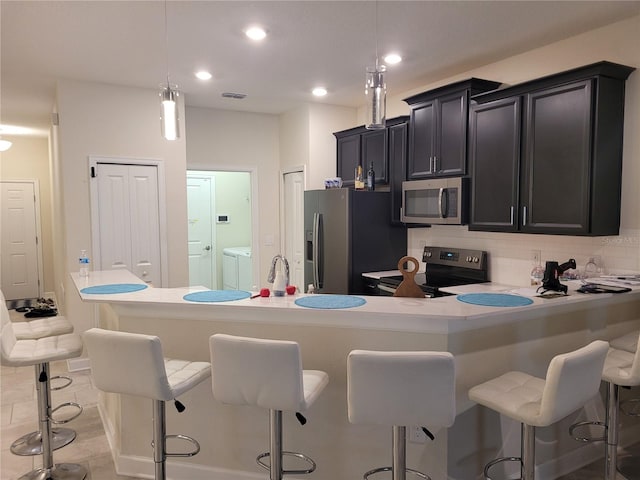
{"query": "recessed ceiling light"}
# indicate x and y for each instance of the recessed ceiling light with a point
(319, 91)
(203, 75)
(392, 59)
(255, 33)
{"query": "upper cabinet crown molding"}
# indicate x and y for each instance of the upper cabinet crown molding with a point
(598, 69)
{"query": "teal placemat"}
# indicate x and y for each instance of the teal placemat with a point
(113, 288)
(495, 299)
(216, 296)
(330, 301)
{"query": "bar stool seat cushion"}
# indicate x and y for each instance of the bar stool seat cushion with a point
(262, 372)
(18, 353)
(42, 327)
(628, 342)
(133, 364)
(572, 379)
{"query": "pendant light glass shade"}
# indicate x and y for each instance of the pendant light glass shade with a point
(376, 93)
(169, 125)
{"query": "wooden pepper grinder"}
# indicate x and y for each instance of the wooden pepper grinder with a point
(408, 286)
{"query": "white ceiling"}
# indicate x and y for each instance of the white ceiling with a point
(309, 43)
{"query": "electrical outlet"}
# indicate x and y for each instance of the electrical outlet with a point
(535, 256)
(416, 435)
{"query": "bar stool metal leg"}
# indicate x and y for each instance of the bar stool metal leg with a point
(31, 443)
(276, 453)
(49, 471)
(613, 405)
(528, 452)
(399, 460)
(275, 444)
(159, 440)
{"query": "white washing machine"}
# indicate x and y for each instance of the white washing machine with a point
(237, 270)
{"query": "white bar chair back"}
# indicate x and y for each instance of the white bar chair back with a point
(134, 364)
(267, 374)
(399, 389)
(572, 379)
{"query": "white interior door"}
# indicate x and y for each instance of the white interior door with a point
(128, 220)
(19, 238)
(202, 251)
(294, 227)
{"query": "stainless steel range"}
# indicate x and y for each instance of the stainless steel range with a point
(445, 267)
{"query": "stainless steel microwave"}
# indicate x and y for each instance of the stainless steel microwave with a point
(437, 201)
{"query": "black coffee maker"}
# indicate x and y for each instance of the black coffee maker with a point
(552, 272)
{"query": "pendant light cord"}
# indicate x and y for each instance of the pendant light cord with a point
(376, 31)
(166, 40)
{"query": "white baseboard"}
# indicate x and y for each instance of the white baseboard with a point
(77, 364)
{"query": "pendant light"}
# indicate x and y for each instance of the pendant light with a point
(375, 90)
(169, 125)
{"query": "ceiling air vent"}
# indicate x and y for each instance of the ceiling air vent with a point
(237, 96)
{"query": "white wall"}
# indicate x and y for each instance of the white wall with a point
(510, 253)
(112, 121)
(323, 121)
(239, 141)
(28, 159)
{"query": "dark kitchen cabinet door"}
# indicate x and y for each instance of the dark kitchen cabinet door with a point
(398, 136)
(348, 158)
(556, 174)
(450, 157)
(422, 140)
(438, 137)
(494, 155)
(374, 151)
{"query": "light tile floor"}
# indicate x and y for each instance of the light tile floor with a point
(18, 416)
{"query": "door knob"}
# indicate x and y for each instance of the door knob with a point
(207, 248)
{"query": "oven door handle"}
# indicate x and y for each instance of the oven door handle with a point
(386, 288)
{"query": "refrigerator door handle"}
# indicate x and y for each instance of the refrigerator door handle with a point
(316, 264)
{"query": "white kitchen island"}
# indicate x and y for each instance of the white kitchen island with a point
(486, 342)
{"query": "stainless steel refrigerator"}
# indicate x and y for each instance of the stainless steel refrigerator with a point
(347, 233)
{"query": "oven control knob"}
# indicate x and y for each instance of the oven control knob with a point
(469, 259)
(428, 253)
(476, 259)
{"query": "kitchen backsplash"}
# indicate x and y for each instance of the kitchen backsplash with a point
(510, 254)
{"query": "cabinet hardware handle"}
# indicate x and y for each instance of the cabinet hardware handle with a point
(435, 163)
(524, 216)
(512, 214)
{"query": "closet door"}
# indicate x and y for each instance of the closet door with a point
(129, 231)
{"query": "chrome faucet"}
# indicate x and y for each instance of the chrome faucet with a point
(272, 270)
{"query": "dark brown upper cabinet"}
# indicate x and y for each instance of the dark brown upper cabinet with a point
(359, 146)
(438, 129)
(546, 155)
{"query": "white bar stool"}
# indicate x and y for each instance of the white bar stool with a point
(39, 353)
(133, 364)
(621, 369)
(266, 374)
(572, 380)
(398, 389)
(31, 443)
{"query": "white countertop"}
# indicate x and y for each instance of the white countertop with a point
(436, 315)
